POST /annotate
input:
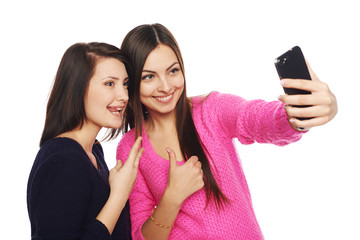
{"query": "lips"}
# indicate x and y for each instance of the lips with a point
(164, 99)
(116, 110)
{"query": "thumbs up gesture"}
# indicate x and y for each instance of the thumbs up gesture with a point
(184, 180)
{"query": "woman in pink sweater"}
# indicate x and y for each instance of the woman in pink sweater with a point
(190, 182)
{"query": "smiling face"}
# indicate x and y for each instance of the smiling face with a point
(107, 94)
(162, 81)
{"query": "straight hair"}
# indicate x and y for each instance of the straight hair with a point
(137, 45)
(66, 106)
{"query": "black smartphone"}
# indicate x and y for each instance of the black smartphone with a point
(292, 64)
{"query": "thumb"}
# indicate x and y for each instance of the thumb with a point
(172, 158)
(118, 165)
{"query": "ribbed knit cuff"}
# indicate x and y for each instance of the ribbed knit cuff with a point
(288, 134)
(97, 230)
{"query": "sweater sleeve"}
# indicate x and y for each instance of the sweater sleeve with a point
(141, 199)
(61, 191)
(252, 121)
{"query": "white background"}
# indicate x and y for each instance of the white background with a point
(307, 190)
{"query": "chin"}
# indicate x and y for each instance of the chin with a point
(113, 125)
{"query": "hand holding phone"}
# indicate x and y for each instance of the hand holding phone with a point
(292, 64)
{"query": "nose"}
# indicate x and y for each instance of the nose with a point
(122, 94)
(164, 84)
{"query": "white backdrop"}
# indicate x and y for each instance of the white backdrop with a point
(308, 190)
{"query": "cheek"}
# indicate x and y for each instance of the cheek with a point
(91, 104)
(98, 100)
(146, 89)
(179, 82)
(94, 97)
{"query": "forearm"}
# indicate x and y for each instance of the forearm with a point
(267, 122)
(164, 215)
(111, 211)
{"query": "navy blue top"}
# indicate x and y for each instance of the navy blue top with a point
(66, 192)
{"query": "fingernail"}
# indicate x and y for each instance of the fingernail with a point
(282, 82)
(168, 150)
(291, 120)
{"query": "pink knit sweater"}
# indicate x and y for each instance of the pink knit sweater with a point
(218, 119)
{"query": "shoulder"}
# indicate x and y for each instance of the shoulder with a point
(61, 163)
(61, 148)
(60, 155)
(200, 99)
(214, 100)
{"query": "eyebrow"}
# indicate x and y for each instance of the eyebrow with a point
(115, 78)
(166, 69)
(111, 77)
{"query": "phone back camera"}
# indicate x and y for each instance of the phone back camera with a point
(282, 60)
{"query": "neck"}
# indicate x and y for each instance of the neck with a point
(85, 136)
(161, 122)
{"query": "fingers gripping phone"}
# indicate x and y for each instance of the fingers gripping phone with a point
(292, 64)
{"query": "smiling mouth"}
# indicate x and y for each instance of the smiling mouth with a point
(116, 110)
(164, 99)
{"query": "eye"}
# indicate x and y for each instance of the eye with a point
(147, 77)
(174, 70)
(126, 83)
(109, 83)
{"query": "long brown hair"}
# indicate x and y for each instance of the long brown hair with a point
(66, 107)
(137, 45)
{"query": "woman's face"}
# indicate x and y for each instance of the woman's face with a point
(162, 81)
(107, 95)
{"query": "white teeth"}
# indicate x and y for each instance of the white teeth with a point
(164, 99)
(119, 109)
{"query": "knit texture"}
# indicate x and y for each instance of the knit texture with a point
(219, 119)
(66, 192)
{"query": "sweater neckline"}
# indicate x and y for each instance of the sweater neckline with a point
(99, 164)
(151, 151)
(146, 141)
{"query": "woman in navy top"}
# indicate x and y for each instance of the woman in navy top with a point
(71, 194)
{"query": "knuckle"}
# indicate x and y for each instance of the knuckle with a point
(283, 98)
(301, 100)
(328, 101)
(327, 111)
(290, 111)
(325, 86)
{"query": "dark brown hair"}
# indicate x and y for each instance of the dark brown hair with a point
(137, 45)
(66, 107)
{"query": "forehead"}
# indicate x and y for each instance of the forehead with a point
(110, 67)
(162, 56)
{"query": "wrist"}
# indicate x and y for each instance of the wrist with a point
(111, 211)
(170, 198)
(117, 199)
